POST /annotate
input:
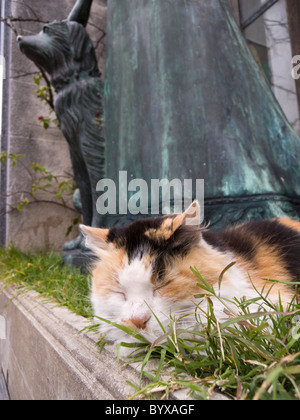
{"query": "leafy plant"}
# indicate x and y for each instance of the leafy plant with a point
(45, 187)
(4, 156)
(45, 94)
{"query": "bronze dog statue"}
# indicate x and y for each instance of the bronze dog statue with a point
(64, 50)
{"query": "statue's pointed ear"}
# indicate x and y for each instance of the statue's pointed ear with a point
(81, 12)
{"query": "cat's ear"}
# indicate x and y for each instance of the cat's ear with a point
(191, 231)
(95, 239)
(190, 217)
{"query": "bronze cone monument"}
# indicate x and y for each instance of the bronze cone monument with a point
(183, 99)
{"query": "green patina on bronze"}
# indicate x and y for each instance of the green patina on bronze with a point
(184, 98)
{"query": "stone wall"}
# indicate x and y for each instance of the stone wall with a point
(41, 224)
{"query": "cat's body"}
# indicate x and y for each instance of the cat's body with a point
(144, 269)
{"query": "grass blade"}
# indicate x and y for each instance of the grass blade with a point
(125, 329)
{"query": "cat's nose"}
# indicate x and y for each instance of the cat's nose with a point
(141, 322)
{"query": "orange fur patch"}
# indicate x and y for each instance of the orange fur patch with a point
(104, 274)
(267, 265)
(163, 233)
(293, 224)
(181, 283)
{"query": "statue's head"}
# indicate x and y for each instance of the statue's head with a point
(63, 49)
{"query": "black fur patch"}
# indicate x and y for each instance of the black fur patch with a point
(136, 243)
(230, 239)
(133, 237)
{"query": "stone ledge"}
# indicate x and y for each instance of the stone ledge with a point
(46, 356)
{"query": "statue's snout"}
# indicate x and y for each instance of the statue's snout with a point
(32, 46)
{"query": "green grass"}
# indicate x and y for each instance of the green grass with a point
(254, 356)
(250, 356)
(46, 274)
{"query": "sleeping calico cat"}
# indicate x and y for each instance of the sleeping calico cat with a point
(145, 268)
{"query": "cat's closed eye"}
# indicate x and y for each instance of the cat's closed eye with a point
(121, 294)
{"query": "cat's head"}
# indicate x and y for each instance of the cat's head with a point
(144, 269)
